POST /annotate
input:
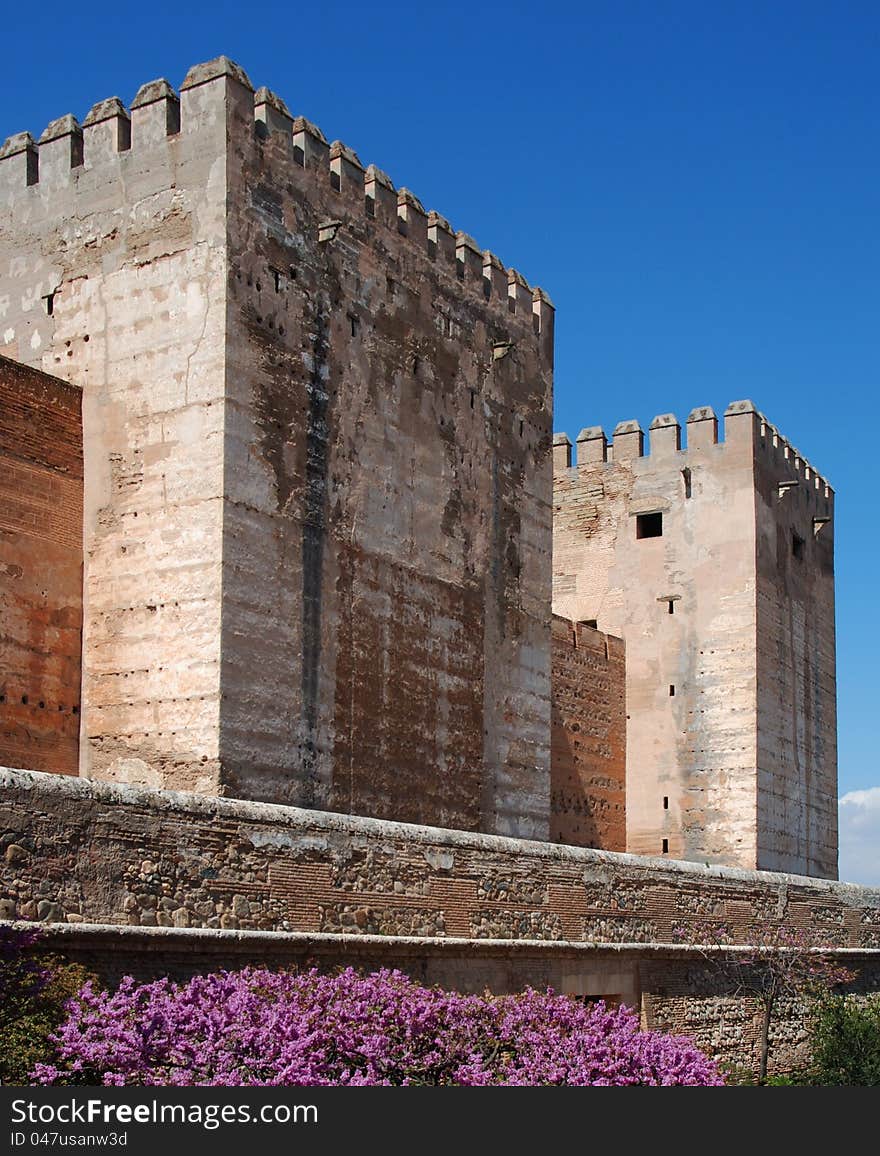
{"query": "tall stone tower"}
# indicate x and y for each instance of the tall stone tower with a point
(715, 563)
(317, 461)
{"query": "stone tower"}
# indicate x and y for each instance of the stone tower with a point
(715, 563)
(317, 461)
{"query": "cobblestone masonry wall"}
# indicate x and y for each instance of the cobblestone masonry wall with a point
(40, 569)
(191, 881)
(588, 743)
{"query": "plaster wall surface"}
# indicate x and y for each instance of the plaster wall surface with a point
(40, 569)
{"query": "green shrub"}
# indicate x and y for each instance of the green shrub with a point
(846, 1041)
(34, 989)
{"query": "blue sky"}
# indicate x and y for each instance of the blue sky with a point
(695, 185)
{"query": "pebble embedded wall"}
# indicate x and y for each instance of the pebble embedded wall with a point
(715, 564)
(588, 742)
(190, 881)
(318, 481)
(40, 569)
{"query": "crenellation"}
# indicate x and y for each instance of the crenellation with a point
(665, 435)
(743, 425)
(592, 446)
(271, 113)
(106, 131)
(495, 274)
(155, 114)
(381, 195)
(158, 115)
(61, 151)
(19, 163)
(628, 441)
(519, 293)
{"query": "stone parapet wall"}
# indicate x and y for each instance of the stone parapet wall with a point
(133, 881)
(83, 851)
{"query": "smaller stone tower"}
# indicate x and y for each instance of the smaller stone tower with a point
(715, 563)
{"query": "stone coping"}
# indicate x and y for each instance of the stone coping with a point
(318, 822)
(299, 941)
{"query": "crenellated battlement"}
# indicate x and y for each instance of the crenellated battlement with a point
(703, 432)
(112, 136)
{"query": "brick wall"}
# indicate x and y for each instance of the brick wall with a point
(40, 569)
(588, 745)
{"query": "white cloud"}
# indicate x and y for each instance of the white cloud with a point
(860, 836)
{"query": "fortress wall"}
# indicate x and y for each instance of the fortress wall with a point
(588, 744)
(729, 639)
(684, 602)
(797, 700)
(41, 493)
(388, 479)
(112, 276)
(318, 480)
(188, 882)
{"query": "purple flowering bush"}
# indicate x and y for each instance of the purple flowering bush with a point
(257, 1027)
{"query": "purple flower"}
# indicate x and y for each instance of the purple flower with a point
(258, 1027)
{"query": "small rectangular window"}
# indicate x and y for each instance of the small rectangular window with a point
(665, 802)
(649, 525)
(797, 545)
(665, 846)
(672, 690)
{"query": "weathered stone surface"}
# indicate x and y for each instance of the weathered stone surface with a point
(266, 867)
(317, 507)
(728, 618)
